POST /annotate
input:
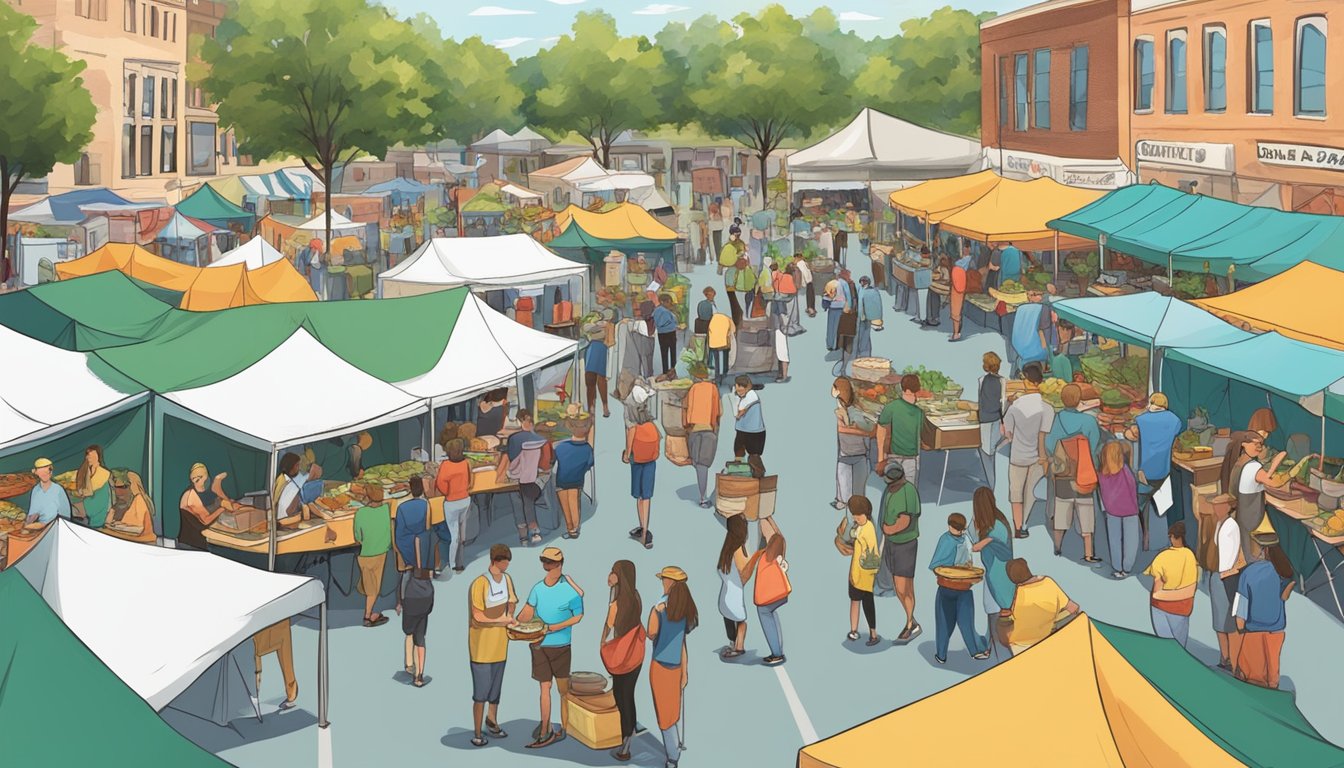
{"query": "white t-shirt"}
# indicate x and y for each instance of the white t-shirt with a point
(1228, 539)
(287, 494)
(1026, 419)
(1246, 483)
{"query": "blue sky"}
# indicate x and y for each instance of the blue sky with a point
(523, 26)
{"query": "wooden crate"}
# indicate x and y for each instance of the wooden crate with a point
(595, 729)
(946, 439)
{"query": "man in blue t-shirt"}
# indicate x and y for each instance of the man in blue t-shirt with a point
(1010, 264)
(665, 325)
(1155, 431)
(558, 603)
(573, 459)
(595, 373)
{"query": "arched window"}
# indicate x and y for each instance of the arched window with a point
(1176, 72)
(1309, 99)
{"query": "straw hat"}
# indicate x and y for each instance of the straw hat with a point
(41, 463)
(672, 573)
(553, 554)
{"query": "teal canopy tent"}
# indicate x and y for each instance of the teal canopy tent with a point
(207, 205)
(1148, 319)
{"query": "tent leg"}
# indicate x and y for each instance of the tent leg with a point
(322, 721)
(253, 696)
(271, 516)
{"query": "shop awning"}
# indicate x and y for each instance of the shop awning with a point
(208, 205)
(1148, 319)
(1117, 698)
(877, 146)
(1301, 303)
(1017, 211)
(625, 226)
(43, 656)
(937, 199)
(487, 262)
(256, 408)
(253, 254)
(572, 170)
(279, 185)
(1287, 367)
(1183, 231)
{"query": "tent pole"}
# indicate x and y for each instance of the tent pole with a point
(1171, 275)
(1322, 432)
(322, 683)
(1056, 254)
(271, 516)
(150, 474)
(428, 432)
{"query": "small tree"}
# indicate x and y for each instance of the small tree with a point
(770, 83)
(325, 80)
(46, 114)
(598, 83)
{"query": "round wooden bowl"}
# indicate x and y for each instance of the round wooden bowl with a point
(529, 631)
(960, 572)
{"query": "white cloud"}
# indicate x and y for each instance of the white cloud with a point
(857, 16)
(495, 10)
(659, 9)
(510, 42)
(554, 39)
(566, 2)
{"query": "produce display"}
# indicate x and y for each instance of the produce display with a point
(66, 480)
(1109, 369)
(393, 473)
(1328, 523)
(16, 484)
(1187, 441)
(1012, 286)
(11, 517)
(932, 380)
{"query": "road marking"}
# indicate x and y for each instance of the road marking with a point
(800, 717)
(324, 753)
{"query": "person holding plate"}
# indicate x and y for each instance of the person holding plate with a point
(954, 605)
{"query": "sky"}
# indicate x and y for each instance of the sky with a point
(521, 27)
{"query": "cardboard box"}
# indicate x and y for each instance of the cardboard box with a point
(244, 519)
(746, 496)
(600, 729)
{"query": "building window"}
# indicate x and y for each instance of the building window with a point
(1078, 89)
(153, 21)
(127, 151)
(131, 94)
(1215, 69)
(129, 12)
(202, 149)
(1143, 74)
(87, 170)
(224, 147)
(163, 98)
(1020, 102)
(1176, 72)
(1262, 68)
(91, 9)
(1309, 100)
(146, 150)
(168, 149)
(1040, 89)
(1003, 91)
(147, 100)
(172, 110)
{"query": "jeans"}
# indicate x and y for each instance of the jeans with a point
(667, 347)
(702, 480)
(954, 608)
(455, 519)
(811, 298)
(832, 326)
(792, 326)
(1122, 537)
(526, 513)
(922, 304)
(718, 359)
(671, 745)
(774, 633)
(989, 438)
(623, 690)
(863, 343)
(851, 477)
(1170, 625)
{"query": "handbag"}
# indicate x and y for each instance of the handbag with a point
(757, 306)
(624, 654)
(848, 325)
(772, 583)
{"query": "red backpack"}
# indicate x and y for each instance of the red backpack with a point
(646, 442)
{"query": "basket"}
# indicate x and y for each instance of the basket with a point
(960, 572)
(587, 683)
(870, 369)
(529, 631)
(1012, 299)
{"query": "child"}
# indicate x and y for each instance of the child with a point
(859, 542)
(955, 603)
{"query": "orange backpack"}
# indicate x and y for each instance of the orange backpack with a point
(646, 442)
(1077, 463)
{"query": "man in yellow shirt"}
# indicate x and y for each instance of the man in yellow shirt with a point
(719, 340)
(1039, 607)
(490, 612)
(1175, 578)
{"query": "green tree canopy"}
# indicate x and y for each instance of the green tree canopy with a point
(482, 94)
(46, 114)
(770, 83)
(326, 80)
(597, 83)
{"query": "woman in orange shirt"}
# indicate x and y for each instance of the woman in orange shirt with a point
(453, 482)
(138, 519)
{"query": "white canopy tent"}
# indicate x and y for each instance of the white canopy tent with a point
(521, 193)
(479, 262)
(339, 223)
(32, 412)
(878, 147)
(173, 614)
(254, 254)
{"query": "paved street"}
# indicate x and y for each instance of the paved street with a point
(741, 712)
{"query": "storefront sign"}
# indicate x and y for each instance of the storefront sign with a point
(1102, 180)
(1214, 157)
(707, 181)
(1300, 156)
(1075, 173)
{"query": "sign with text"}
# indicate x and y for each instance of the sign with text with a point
(1213, 157)
(1300, 155)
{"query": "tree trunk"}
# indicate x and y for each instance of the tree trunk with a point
(7, 270)
(764, 181)
(326, 199)
(606, 153)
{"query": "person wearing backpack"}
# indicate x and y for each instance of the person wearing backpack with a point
(1074, 445)
(772, 589)
(641, 453)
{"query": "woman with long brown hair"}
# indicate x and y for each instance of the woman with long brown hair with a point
(994, 542)
(93, 487)
(670, 621)
(772, 589)
(138, 518)
(854, 429)
(1245, 476)
(624, 655)
(1120, 502)
(735, 567)
(1260, 612)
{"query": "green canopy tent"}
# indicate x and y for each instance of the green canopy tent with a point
(107, 309)
(207, 205)
(44, 661)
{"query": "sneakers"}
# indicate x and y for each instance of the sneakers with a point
(838, 504)
(908, 634)
(772, 661)
(637, 533)
(939, 659)
(1021, 533)
(852, 636)
(981, 656)
(874, 640)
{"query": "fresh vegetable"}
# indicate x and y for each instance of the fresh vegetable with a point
(1012, 286)
(1114, 398)
(1187, 441)
(931, 380)
(1301, 471)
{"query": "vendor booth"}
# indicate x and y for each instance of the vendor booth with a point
(1115, 697)
(254, 254)
(588, 237)
(559, 183)
(879, 147)
(190, 242)
(209, 206)
(408, 193)
(1301, 303)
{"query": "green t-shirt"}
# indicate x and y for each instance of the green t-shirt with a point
(904, 420)
(902, 502)
(373, 530)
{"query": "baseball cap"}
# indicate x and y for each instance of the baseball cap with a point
(894, 471)
(40, 463)
(672, 573)
(553, 554)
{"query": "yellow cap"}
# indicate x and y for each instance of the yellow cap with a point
(553, 554)
(1158, 400)
(40, 463)
(672, 573)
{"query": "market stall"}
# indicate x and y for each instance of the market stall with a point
(1300, 303)
(254, 254)
(208, 205)
(588, 237)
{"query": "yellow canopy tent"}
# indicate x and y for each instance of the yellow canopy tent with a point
(230, 188)
(1090, 695)
(1299, 303)
(624, 222)
(202, 289)
(1017, 212)
(936, 199)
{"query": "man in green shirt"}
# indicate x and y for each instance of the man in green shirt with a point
(898, 430)
(373, 531)
(900, 525)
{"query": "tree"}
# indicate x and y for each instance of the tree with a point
(598, 83)
(767, 84)
(929, 74)
(685, 50)
(46, 114)
(325, 80)
(480, 89)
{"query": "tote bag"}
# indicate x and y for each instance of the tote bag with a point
(625, 653)
(772, 583)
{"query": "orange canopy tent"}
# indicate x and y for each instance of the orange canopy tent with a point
(202, 289)
(1300, 304)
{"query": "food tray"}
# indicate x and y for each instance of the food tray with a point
(960, 572)
(527, 631)
(1009, 298)
(16, 484)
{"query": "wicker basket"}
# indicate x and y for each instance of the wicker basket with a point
(527, 632)
(871, 369)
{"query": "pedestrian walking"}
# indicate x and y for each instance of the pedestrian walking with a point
(700, 416)
(670, 621)
(870, 317)
(622, 648)
(770, 593)
(453, 482)
(994, 542)
(781, 347)
(491, 602)
(373, 532)
(558, 603)
(1077, 435)
(1039, 607)
(1154, 431)
(1025, 425)
(900, 524)
(641, 337)
(1120, 503)
(642, 442)
(750, 421)
(574, 459)
(954, 602)
(1262, 591)
(1175, 581)
(854, 434)
(722, 332)
(1223, 560)
(417, 601)
(595, 372)
(990, 408)
(806, 284)
(704, 311)
(735, 568)
(898, 429)
(858, 542)
(665, 325)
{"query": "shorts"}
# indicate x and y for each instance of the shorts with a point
(857, 595)
(550, 662)
(702, 446)
(899, 559)
(371, 574)
(486, 681)
(1087, 514)
(749, 443)
(414, 623)
(641, 479)
(1021, 481)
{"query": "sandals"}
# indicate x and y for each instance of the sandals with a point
(377, 622)
(419, 681)
(477, 741)
(648, 539)
(547, 740)
(852, 636)
(495, 730)
(731, 653)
